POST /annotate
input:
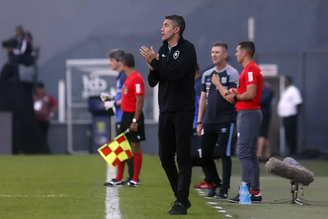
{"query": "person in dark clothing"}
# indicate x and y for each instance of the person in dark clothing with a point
(196, 150)
(45, 107)
(22, 54)
(174, 70)
(263, 138)
(217, 119)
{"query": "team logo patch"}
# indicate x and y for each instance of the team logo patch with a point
(176, 54)
(223, 80)
(125, 90)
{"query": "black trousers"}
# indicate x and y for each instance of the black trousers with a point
(223, 132)
(174, 134)
(290, 125)
(44, 127)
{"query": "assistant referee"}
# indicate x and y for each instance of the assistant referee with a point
(174, 71)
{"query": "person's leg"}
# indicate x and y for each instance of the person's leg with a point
(225, 140)
(129, 161)
(136, 138)
(167, 142)
(267, 151)
(183, 130)
(249, 123)
(288, 133)
(293, 135)
(261, 146)
(209, 138)
(255, 117)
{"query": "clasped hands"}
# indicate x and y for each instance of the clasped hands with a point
(228, 94)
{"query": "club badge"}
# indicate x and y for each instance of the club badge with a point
(176, 54)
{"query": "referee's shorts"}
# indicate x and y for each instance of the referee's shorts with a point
(132, 136)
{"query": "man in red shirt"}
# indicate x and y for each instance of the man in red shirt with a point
(45, 107)
(247, 97)
(132, 118)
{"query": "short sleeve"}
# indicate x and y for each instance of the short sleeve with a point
(52, 101)
(297, 98)
(138, 86)
(252, 75)
(233, 79)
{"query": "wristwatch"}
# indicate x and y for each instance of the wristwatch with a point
(235, 97)
(134, 120)
(198, 123)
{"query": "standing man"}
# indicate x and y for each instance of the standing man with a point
(132, 118)
(249, 117)
(174, 71)
(266, 109)
(115, 57)
(196, 152)
(220, 116)
(289, 108)
(45, 107)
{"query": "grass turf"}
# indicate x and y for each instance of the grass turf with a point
(78, 179)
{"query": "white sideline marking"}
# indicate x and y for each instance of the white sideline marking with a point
(32, 196)
(112, 199)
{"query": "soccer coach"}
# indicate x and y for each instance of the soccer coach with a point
(174, 70)
(249, 117)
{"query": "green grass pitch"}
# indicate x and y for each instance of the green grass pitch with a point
(70, 187)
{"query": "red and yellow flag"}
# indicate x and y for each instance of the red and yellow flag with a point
(116, 151)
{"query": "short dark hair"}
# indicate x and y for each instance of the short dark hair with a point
(289, 79)
(116, 54)
(249, 46)
(40, 84)
(221, 44)
(178, 21)
(128, 60)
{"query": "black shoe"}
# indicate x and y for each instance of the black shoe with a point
(256, 198)
(186, 204)
(234, 199)
(178, 209)
(212, 191)
(114, 182)
(223, 193)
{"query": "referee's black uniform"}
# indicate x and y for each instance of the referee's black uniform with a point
(175, 73)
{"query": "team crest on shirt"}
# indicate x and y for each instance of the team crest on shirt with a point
(223, 80)
(176, 54)
(125, 90)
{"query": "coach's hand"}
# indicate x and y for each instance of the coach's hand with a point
(216, 80)
(151, 68)
(134, 126)
(230, 91)
(149, 55)
(199, 129)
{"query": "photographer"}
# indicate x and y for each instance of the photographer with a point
(20, 50)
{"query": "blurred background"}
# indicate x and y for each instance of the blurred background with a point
(68, 43)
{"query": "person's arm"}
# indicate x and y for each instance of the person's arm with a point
(153, 78)
(251, 86)
(54, 105)
(201, 108)
(232, 83)
(187, 57)
(297, 100)
(22, 49)
(139, 92)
